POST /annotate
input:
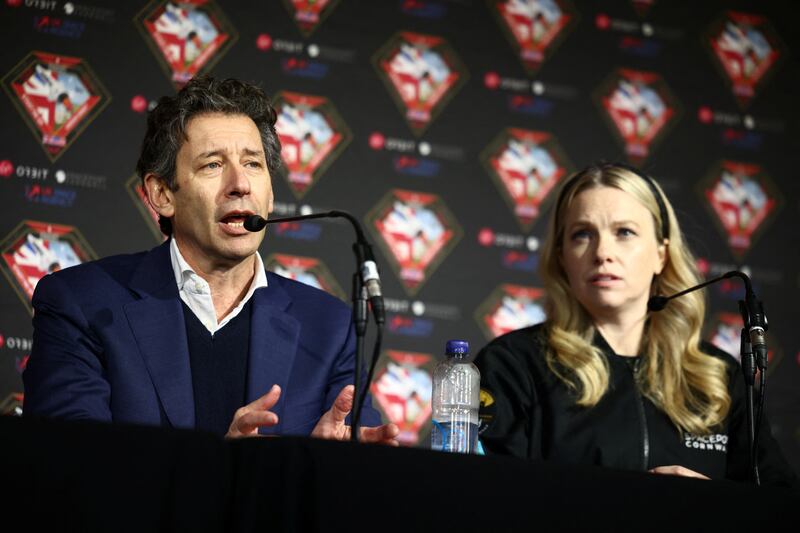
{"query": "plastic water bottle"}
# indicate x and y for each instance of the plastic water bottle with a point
(455, 401)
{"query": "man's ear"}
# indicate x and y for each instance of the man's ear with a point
(161, 198)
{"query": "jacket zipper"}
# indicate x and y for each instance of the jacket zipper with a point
(642, 418)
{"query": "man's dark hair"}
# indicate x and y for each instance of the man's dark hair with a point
(166, 125)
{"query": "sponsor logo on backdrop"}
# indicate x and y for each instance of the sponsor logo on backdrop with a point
(742, 200)
(425, 9)
(34, 249)
(402, 389)
(639, 108)
(187, 37)
(643, 7)
(303, 60)
(449, 152)
(49, 25)
(57, 96)
(529, 97)
(519, 251)
(409, 326)
(744, 131)
(416, 232)
(50, 195)
(534, 28)
(15, 343)
(421, 72)
(308, 270)
(61, 176)
(312, 136)
(525, 165)
(12, 405)
(136, 193)
(71, 9)
(747, 50)
(725, 332)
(510, 307)
(419, 308)
(642, 39)
(308, 14)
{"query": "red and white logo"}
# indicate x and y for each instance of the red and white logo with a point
(422, 72)
(312, 136)
(308, 14)
(508, 308)
(34, 249)
(403, 391)
(639, 107)
(58, 96)
(525, 165)
(747, 50)
(308, 270)
(187, 37)
(534, 27)
(416, 232)
(743, 201)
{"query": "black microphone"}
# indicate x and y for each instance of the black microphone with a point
(368, 269)
(755, 321)
(657, 303)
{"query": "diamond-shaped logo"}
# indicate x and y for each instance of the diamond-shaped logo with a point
(308, 270)
(724, 331)
(638, 107)
(416, 231)
(747, 50)
(34, 249)
(508, 308)
(525, 165)
(312, 136)
(743, 201)
(308, 14)
(136, 193)
(402, 389)
(57, 96)
(534, 27)
(421, 72)
(187, 37)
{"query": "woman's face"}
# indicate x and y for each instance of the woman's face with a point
(610, 253)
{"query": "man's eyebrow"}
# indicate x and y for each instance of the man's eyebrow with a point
(219, 152)
(250, 151)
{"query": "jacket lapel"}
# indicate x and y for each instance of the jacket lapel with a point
(273, 343)
(158, 325)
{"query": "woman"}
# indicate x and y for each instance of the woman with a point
(602, 381)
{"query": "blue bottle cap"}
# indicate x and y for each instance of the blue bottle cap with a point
(457, 348)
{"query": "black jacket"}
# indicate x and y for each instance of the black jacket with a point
(527, 411)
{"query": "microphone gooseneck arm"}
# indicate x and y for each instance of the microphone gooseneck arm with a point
(366, 287)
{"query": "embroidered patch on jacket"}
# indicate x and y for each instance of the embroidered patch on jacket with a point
(716, 442)
(486, 413)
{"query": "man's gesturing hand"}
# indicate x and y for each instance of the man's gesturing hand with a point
(254, 415)
(332, 426)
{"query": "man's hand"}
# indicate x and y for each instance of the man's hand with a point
(254, 415)
(677, 470)
(332, 426)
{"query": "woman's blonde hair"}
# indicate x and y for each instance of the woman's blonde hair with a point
(686, 384)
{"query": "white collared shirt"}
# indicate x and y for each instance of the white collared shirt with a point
(196, 293)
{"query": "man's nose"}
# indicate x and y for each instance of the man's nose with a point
(238, 183)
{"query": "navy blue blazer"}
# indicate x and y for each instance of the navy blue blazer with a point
(109, 344)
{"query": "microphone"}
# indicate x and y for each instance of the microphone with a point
(368, 269)
(755, 321)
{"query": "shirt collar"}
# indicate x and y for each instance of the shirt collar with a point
(183, 271)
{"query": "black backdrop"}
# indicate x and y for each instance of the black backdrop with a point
(440, 128)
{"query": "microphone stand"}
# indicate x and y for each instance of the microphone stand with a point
(362, 292)
(753, 353)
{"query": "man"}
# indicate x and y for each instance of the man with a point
(195, 333)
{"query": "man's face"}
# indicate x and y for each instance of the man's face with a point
(222, 177)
